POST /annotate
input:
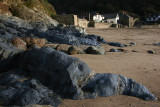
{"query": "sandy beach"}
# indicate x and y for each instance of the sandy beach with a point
(133, 63)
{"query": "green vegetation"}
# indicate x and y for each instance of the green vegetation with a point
(41, 4)
(48, 7)
(139, 8)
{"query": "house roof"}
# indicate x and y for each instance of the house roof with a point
(110, 16)
(125, 15)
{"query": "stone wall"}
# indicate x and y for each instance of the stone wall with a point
(66, 19)
(102, 25)
(132, 21)
(74, 20)
(71, 20)
(83, 23)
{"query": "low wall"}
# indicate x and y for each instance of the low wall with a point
(71, 20)
(83, 23)
(102, 25)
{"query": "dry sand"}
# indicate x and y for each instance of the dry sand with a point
(139, 65)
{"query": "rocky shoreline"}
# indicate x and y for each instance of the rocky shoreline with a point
(45, 76)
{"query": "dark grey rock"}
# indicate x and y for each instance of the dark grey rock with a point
(29, 91)
(156, 44)
(7, 50)
(134, 51)
(116, 50)
(14, 27)
(98, 50)
(111, 84)
(64, 74)
(44, 76)
(132, 43)
(150, 52)
(116, 44)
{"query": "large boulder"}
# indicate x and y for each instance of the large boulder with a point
(117, 44)
(98, 50)
(75, 50)
(40, 42)
(16, 88)
(44, 76)
(111, 84)
(64, 74)
(63, 47)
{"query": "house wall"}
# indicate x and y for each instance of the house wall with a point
(98, 18)
(132, 21)
(102, 25)
(124, 20)
(127, 20)
(71, 20)
(99, 25)
(66, 19)
(115, 20)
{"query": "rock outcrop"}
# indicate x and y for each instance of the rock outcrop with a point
(14, 27)
(111, 84)
(44, 76)
(18, 89)
(7, 50)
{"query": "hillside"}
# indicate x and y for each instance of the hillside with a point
(134, 7)
(36, 12)
(17, 6)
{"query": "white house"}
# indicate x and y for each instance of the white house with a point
(154, 18)
(98, 18)
(111, 18)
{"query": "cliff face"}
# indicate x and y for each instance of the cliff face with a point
(37, 12)
(19, 8)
